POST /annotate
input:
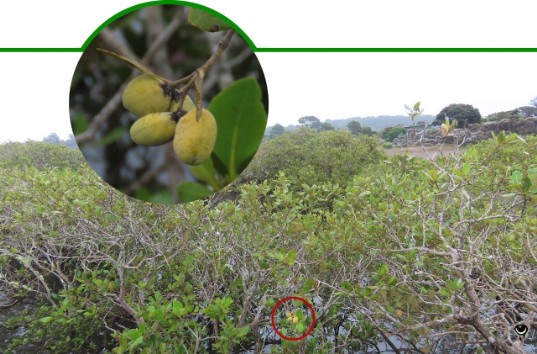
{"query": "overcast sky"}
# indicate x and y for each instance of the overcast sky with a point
(34, 87)
(345, 85)
(325, 85)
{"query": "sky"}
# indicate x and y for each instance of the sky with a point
(34, 89)
(349, 85)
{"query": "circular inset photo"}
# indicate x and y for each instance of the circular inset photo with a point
(168, 103)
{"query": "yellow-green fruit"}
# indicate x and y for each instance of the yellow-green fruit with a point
(154, 129)
(194, 140)
(145, 94)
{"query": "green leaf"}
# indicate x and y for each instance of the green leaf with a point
(526, 184)
(190, 191)
(291, 257)
(308, 285)
(516, 177)
(161, 197)
(80, 123)
(243, 331)
(206, 21)
(383, 269)
(178, 308)
(466, 168)
(300, 327)
(205, 173)
(346, 286)
(45, 319)
(241, 120)
(112, 136)
(299, 313)
(136, 342)
(143, 194)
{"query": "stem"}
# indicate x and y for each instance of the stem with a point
(221, 47)
(134, 64)
(196, 78)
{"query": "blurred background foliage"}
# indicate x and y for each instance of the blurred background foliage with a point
(100, 123)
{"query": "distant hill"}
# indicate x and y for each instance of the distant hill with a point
(377, 123)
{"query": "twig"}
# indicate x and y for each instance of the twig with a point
(115, 101)
(112, 42)
(3, 307)
(196, 78)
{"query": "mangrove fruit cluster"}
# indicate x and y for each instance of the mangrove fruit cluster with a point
(162, 120)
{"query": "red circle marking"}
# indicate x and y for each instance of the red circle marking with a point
(310, 329)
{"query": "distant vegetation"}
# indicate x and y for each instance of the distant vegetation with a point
(53, 138)
(517, 113)
(391, 133)
(464, 114)
(377, 123)
(39, 155)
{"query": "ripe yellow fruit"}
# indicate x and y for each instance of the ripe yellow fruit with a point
(145, 94)
(194, 140)
(154, 129)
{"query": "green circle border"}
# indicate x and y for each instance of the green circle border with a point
(165, 2)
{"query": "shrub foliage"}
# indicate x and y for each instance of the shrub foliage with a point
(392, 252)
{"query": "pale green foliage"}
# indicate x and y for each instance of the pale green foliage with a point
(314, 157)
(39, 154)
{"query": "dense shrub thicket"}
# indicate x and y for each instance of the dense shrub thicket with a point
(314, 158)
(39, 154)
(406, 255)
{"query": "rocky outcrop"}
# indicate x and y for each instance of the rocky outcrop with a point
(522, 126)
(471, 134)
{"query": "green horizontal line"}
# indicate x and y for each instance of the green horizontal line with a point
(40, 50)
(397, 50)
(320, 50)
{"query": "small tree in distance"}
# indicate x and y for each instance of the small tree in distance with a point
(310, 122)
(414, 112)
(367, 131)
(325, 126)
(354, 127)
(464, 114)
(277, 130)
(391, 133)
(52, 138)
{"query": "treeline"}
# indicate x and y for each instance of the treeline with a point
(464, 114)
(53, 138)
